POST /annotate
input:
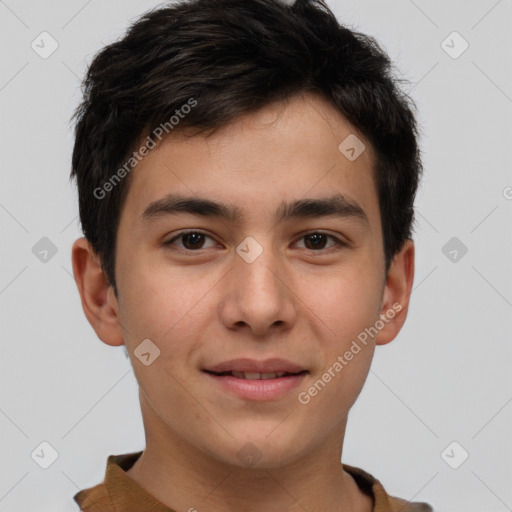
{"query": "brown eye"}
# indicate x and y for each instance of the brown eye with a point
(190, 241)
(317, 241)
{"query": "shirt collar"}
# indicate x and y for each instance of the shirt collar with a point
(122, 494)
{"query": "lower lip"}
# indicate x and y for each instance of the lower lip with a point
(258, 389)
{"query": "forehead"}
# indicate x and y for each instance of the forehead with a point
(302, 148)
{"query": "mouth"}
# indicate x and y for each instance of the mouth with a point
(257, 375)
(256, 386)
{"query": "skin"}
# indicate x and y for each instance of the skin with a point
(208, 305)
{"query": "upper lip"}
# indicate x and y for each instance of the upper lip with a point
(252, 365)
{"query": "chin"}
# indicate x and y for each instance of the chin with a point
(262, 448)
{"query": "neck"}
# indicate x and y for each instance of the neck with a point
(184, 478)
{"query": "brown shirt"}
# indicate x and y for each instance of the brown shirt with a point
(120, 493)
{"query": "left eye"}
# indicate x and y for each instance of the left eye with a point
(318, 240)
(194, 240)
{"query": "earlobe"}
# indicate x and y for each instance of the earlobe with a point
(99, 304)
(396, 294)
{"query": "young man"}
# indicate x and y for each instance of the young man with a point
(246, 173)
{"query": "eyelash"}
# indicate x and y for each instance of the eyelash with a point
(339, 244)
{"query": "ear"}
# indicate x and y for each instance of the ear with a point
(396, 294)
(98, 299)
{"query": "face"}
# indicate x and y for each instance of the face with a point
(272, 277)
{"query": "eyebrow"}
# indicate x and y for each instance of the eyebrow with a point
(337, 205)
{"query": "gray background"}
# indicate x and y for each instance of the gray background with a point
(445, 378)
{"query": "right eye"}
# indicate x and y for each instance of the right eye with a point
(191, 241)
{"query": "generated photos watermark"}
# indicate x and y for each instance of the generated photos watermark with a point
(149, 144)
(305, 397)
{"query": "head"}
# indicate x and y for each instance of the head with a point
(282, 140)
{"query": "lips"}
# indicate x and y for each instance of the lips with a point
(264, 388)
(254, 369)
(256, 375)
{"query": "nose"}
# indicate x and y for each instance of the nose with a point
(259, 296)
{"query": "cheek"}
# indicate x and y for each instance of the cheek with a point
(340, 384)
(345, 301)
(345, 306)
(155, 301)
(171, 310)
(162, 311)
(339, 381)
